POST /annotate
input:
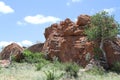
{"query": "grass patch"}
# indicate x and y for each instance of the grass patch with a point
(72, 69)
(51, 75)
(42, 69)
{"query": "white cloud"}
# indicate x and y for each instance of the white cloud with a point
(41, 19)
(75, 19)
(22, 43)
(5, 8)
(74, 1)
(110, 10)
(27, 43)
(4, 43)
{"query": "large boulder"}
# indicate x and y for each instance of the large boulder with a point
(83, 20)
(112, 49)
(36, 47)
(12, 50)
(68, 42)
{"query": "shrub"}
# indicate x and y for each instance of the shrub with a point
(41, 64)
(51, 75)
(72, 69)
(32, 57)
(97, 71)
(116, 67)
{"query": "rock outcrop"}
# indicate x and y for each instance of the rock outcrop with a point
(68, 42)
(12, 50)
(83, 20)
(112, 49)
(36, 48)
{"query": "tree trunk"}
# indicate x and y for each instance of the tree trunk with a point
(104, 53)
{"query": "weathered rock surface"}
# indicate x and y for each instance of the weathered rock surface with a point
(36, 48)
(83, 20)
(12, 50)
(112, 49)
(68, 42)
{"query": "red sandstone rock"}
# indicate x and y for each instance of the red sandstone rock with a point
(12, 49)
(36, 48)
(83, 20)
(68, 42)
(112, 49)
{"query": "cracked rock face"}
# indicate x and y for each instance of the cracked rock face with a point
(112, 49)
(68, 42)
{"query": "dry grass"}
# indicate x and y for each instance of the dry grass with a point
(25, 71)
(22, 71)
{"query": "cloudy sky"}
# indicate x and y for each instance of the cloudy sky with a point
(24, 21)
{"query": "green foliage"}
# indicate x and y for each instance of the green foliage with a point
(92, 33)
(97, 52)
(32, 57)
(97, 71)
(102, 26)
(0, 67)
(41, 64)
(13, 58)
(116, 67)
(51, 75)
(72, 69)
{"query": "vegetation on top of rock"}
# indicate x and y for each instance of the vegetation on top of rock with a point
(102, 26)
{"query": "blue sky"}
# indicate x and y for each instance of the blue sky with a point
(24, 21)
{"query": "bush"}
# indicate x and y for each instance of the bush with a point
(92, 33)
(41, 64)
(116, 67)
(72, 69)
(97, 71)
(32, 57)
